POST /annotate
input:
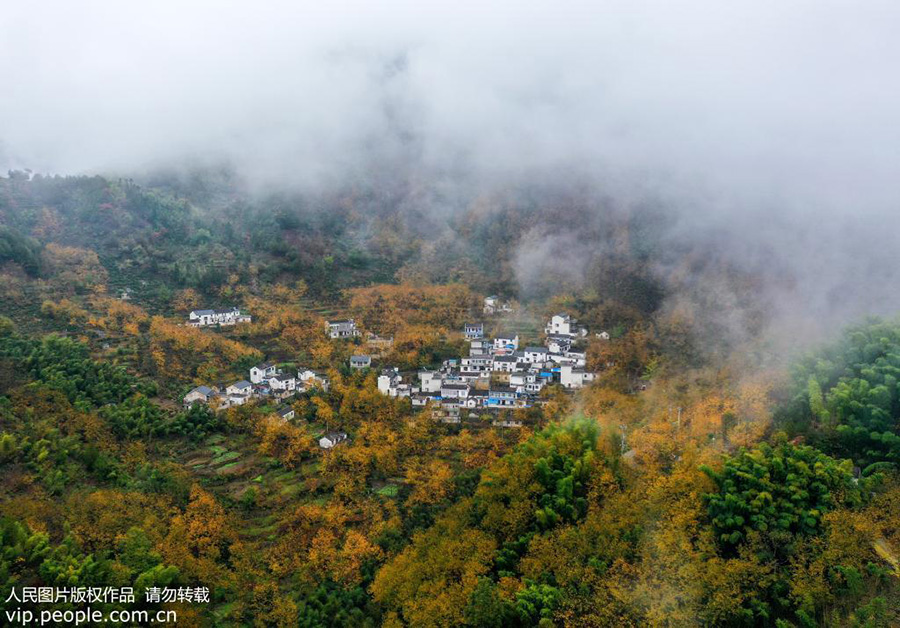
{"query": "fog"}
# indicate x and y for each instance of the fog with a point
(771, 129)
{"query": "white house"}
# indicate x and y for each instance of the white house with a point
(242, 387)
(603, 335)
(430, 381)
(579, 358)
(557, 343)
(493, 305)
(286, 413)
(503, 397)
(560, 324)
(360, 361)
(535, 354)
(504, 363)
(283, 383)
(572, 377)
(308, 377)
(480, 346)
(507, 341)
(454, 391)
(229, 316)
(262, 372)
(201, 394)
(473, 330)
(331, 439)
(421, 399)
(474, 366)
(237, 399)
(345, 328)
(388, 382)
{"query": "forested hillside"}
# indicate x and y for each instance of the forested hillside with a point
(698, 480)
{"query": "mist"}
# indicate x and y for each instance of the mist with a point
(768, 130)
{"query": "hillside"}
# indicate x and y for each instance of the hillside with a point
(689, 478)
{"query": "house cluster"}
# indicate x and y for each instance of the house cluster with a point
(267, 382)
(220, 318)
(497, 374)
(345, 328)
(494, 305)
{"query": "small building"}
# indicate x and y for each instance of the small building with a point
(535, 354)
(237, 399)
(493, 305)
(504, 363)
(344, 328)
(473, 330)
(200, 394)
(228, 316)
(572, 377)
(502, 397)
(283, 383)
(421, 399)
(578, 358)
(242, 387)
(558, 343)
(430, 381)
(474, 366)
(309, 378)
(454, 391)
(331, 439)
(480, 346)
(262, 372)
(379, 344)
(560, 324)
(506, 341)
(389, 381)
(286, 413)
(360, 361)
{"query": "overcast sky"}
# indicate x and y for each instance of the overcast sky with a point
(751, 116)
(794, 98)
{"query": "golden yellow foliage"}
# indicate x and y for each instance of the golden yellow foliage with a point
(179, 350)
(74, 269)
(429, 583)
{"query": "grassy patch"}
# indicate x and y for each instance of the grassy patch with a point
(225, 457)
(389, 490)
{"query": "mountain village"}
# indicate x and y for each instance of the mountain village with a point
(498, 374)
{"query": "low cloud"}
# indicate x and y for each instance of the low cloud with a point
(770, 130)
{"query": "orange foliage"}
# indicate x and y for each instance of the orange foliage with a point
(73, 268)
(287, 443)
(65, 310)
(178, 350)
(119, 315)
(389, 308)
